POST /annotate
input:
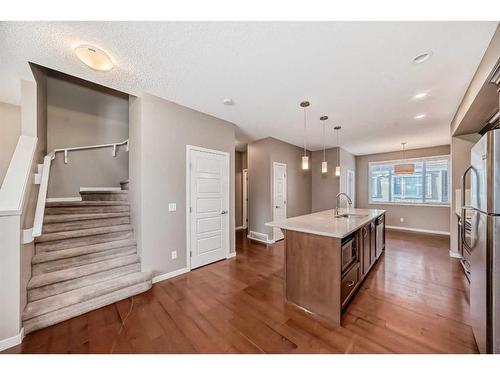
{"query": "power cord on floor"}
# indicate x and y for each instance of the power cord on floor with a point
(122, 325)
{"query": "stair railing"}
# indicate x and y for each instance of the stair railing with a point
(44, 181)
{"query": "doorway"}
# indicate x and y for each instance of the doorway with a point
(244, 222)
(207, 180)
(279, 197)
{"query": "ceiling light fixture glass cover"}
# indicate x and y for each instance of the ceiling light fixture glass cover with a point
(324, 164)
(404, 169)
(94, 57)
(422, 57)
(305, 158)
(420, 116)
(420, 95)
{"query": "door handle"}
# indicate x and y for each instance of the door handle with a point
(464, 208)
(276, 206)
(223, 212)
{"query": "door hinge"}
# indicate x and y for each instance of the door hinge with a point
(191, 254)
(190, 209)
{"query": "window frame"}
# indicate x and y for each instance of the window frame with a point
(417, 159)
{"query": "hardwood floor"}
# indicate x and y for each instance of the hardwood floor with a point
(415, 300)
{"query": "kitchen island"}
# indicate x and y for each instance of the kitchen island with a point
(327, 257)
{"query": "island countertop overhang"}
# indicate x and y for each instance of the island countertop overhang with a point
(324, 223)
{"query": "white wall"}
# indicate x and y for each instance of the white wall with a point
(10, 130)
(159, 133)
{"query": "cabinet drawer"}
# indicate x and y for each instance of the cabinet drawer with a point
(349, 282)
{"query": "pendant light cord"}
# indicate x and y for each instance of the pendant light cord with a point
(324, 142)
(338, 148)
(305, 133)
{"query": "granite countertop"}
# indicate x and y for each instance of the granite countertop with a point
(324, 223)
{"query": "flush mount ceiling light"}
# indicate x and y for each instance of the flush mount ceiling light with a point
(324, 164)
(305, 158)
(94, 57)
(228, 101)
(404, 169)
(420, 95)
(420, 116)
(422, 57)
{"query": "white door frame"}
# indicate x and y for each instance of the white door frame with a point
(275, 163)
(244, 189)
(353, 195)
(189, 148)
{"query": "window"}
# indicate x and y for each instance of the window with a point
(429, 184)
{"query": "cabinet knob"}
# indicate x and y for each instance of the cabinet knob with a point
(350, 283)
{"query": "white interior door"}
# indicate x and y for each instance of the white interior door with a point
(279, 197)
(245, 199)
(209, 206)
(351, 188)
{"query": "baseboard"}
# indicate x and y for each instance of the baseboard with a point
(260, 237)
(65, 199)
(12, 341)
(169, 275)
(114, 188)
(406, 229)
(240, 228)
(455, 255)
(231, 255)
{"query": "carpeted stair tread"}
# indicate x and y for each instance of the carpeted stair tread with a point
(82, 241)
(61, 264)
(86, 203)
(76, 272)
(48, 256)
(86, 209)
(68, 312)
(59, 236)
(66, 286)
(114, 195)
(85, 224)
(50, 304)
(63, 218)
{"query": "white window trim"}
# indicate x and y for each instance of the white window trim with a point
(425, 158)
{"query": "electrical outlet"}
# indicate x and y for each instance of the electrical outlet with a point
(174, 254)
(402, 219)
(172, 207)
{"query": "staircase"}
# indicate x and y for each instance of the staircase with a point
(85, 258)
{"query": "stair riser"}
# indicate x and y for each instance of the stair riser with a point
(86, 204)
(104, 197)
(84, 224)
(85, 210)
(82, 308)
(50, 219)
(59, 236)
(58, 265)
(49, 256)
(66, 286)
(82, 241)
(54, 303)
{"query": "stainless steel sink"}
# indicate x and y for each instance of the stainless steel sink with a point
(348, 216)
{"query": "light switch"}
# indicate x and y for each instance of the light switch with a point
(172, 207)
(174, 254)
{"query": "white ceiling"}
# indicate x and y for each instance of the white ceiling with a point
(358, 73)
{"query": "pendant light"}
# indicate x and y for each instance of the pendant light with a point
(404, 168)
(337, 168)
(305, 158)
(324, 164)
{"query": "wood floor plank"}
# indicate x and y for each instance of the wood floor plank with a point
(415, 300)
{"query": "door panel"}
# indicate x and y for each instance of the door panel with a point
(209, 207)
(279, 197)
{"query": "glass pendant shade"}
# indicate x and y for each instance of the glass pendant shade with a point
(337, 171)
(305, 162)
(324, 167)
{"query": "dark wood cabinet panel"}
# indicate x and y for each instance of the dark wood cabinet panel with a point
(349, 283)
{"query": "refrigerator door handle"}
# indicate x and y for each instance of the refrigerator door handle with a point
(464, 209)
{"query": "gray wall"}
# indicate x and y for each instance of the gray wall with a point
(261, 155)
(324, 186)
(10, 130)
(238, 187)
(159, 133)
(415, 217)
(79, 116)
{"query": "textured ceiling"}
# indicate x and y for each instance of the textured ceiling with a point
(358, 73)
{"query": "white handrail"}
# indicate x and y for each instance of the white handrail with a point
(44, 183)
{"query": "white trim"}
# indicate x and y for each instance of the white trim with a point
(114, 188)
(409, 159)
(189, 148)
(244, 190)
(454, 254)
(407, 229)
(12, 341)
(275, 164)
(27, 236)
(42, 197)
(239, 228)
(169, 275)
(231, 255)
(266, 240)
(444, 205)
(64, 199)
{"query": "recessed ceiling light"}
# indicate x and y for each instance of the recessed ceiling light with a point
(420, 95)
(228, 101)
(418, 117)
(422, 57)
(94, 57)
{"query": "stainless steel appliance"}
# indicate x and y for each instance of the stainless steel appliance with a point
(349, 252)
(380, 236)
(483, 240)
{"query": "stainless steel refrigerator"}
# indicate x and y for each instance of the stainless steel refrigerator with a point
(484, 241)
